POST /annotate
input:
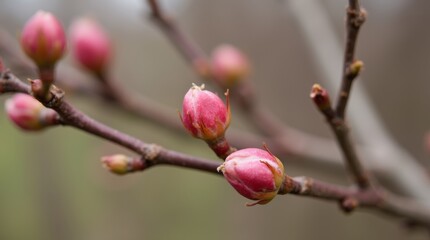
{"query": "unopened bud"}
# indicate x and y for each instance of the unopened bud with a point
(228, 65)
(320, 97)
(204, 114)
(29, 114)
(43, 39)
(355, 67)
(255, 173)
(121, 164)
(349, 204)
(91, 45)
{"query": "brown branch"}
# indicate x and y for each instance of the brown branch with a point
(354, 4)
(350, 198)
(351, 68)
(354, 165)
(322, 100)
(336, 117)
(355, 17)
(155, 155)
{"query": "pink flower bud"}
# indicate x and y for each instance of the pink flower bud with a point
(228, 65)
(91, 45)
(204, 114)
(29, 114)
(43, 39)
(255, 173)
(121, 164)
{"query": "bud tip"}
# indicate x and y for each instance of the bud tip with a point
(43, 39)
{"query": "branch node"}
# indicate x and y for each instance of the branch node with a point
(349, 204)
(356, 17)
(151, 152)
(352, 71)
(305, 184)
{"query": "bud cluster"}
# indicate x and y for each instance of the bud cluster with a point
(44, 41)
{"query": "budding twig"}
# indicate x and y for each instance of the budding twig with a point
(70, 116)
(350, 198)
(355, 17)
(336, 118)
(153, 155)
(322, 100)
(351, 68)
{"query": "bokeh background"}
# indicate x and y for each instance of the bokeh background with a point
(52, 185)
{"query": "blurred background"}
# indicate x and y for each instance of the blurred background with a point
(52, 185)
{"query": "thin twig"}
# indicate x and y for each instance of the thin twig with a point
(355, 17)
(350, 198)
(350, 154)
(321, 99)
(336, 117)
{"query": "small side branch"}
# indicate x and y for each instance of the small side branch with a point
(322, 100)
(350, 198)
(355, 17)
(336, 117)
